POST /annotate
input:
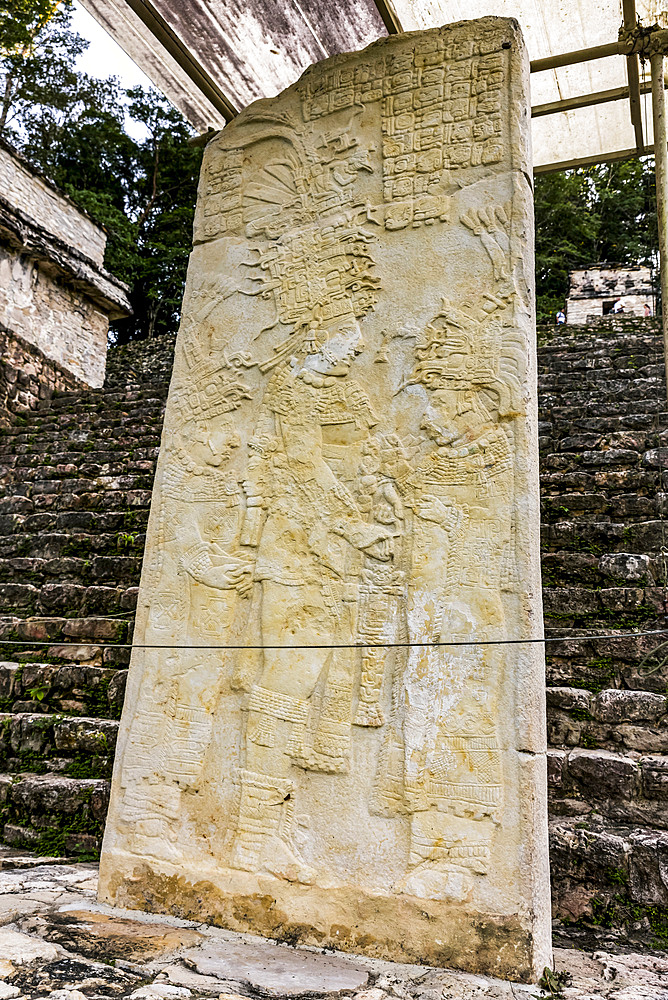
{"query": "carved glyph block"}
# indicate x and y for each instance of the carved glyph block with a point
(326, 736)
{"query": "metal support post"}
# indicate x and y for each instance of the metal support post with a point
(661, 172)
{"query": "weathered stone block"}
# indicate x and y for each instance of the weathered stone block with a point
(648, 868)
(616, 705)
(348, 476)
(602, 774)
(654, 771)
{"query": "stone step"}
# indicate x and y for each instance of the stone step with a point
(81, 415)
(617, 786)
(72, 600)
(604, 871)
(54, 814)
(54, 628)
(623, 458)
(621, 607)
(110, 501)
(613, 482)
(92, 688)
(122, 570)
(113, 464)
(601, 537)
(73, 522)
(85, 487)
(626, 721)
(621, 569)
(113, 447)
(599, 507)
(576, 372)
(78, 747)
(575, 423)
(594, 662)
(75, 439)
(83, 545)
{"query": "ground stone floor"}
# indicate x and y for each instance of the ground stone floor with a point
(56, 941)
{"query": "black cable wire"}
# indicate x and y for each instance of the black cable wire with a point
(345, 645)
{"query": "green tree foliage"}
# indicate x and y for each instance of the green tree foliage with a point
(587, 216)
(73, 127)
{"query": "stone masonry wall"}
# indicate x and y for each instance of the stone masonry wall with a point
(48, 207)
(590, 288)
(54, 292)
(27, 378)
(61, 322)
(75, 482)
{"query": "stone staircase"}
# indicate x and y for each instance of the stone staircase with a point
(75, 481)
(604, 444)
(75, 489)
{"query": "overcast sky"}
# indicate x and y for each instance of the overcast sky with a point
(104, 58)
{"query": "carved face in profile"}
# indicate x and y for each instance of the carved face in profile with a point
(211, 446)
(340, 343)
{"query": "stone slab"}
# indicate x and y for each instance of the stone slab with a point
(24, 949)
(278, 971)
(104, 937)
(326, 738)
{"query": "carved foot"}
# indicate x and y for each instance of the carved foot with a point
(369, 715)
(284, 861)
(452, 884)
(156, 847)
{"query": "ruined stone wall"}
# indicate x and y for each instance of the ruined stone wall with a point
(590, 288)
(27, 378)
(49, 208)
(59, 321)
(54, 292)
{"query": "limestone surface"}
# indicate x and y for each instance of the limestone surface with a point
(333, 730)
(67, 971)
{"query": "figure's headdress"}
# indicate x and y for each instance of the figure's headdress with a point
(212, 388)
(466, 354)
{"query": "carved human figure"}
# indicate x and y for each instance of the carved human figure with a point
(461, 498)
(309, 538)
(201, 507)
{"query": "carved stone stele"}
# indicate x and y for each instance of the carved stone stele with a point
(327, 738)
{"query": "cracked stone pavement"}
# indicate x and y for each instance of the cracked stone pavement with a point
(57, 941)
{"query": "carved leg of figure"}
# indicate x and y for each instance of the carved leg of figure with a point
(264, 829)
(267, 709)
(151, 813)
(434, 874)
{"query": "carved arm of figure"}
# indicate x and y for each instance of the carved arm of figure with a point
(208, 564)
(433, 508)
(375, 539)
(302, 442)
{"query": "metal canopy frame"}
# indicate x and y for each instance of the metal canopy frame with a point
(633, 43)
(164, 34)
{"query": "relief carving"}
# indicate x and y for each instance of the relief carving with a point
(342, 535)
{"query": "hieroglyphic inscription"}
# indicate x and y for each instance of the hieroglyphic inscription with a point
(322, 710)
(440, 110)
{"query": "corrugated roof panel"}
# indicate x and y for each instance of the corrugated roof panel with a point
(255, 49)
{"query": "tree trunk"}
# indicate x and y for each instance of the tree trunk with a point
(6, 101)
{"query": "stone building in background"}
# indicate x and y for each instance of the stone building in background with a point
(595, 291)
(56, 299)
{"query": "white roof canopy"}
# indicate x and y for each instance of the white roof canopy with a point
(213, 57)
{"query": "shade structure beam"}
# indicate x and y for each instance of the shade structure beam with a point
(168, 38)
(389, 16)
(586, 100)
(578, 56)
(661, 171)
(630, 22)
